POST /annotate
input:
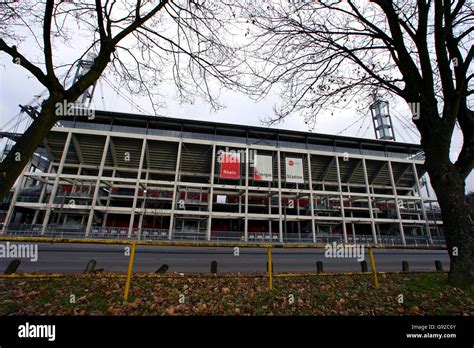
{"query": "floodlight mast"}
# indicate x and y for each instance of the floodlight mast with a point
(381, 118)
(83, 66)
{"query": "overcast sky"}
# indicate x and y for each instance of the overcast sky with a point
(17, 86)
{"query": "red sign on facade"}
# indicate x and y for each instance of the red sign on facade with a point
(230, 165)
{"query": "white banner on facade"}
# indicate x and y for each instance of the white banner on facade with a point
(294, 170)
(263, 168)
(222, 199)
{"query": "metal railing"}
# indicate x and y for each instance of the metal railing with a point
(228, 236)
(52, 231)
(155, 234)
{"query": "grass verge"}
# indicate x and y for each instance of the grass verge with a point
(236, 294)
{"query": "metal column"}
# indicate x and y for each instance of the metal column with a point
(369, 201)
(313, 230)
(341, 200)
(423, 210)
(11, 208)
(106, 214)
(56, 182)
(210, 198)
(246, 222)
(97, 185)
(43, 190)
(175, 186)
(397, 208)
(280, 225)
(137, 186)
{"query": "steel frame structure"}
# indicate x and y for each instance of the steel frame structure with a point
(137, 177)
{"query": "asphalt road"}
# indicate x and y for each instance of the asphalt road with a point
(73, 258)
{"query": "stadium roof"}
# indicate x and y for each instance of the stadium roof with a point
(218, 130)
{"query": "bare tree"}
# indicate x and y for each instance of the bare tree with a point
(325, 54)
(144, 43)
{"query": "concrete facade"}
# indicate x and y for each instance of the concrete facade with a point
(129, 176)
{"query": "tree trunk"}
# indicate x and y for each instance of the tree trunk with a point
(25, 147)
(449, 186)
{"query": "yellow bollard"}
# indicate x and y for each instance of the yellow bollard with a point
(374, 270)
(129, 273)
(270, 269)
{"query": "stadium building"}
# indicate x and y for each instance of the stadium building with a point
(127, 176)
